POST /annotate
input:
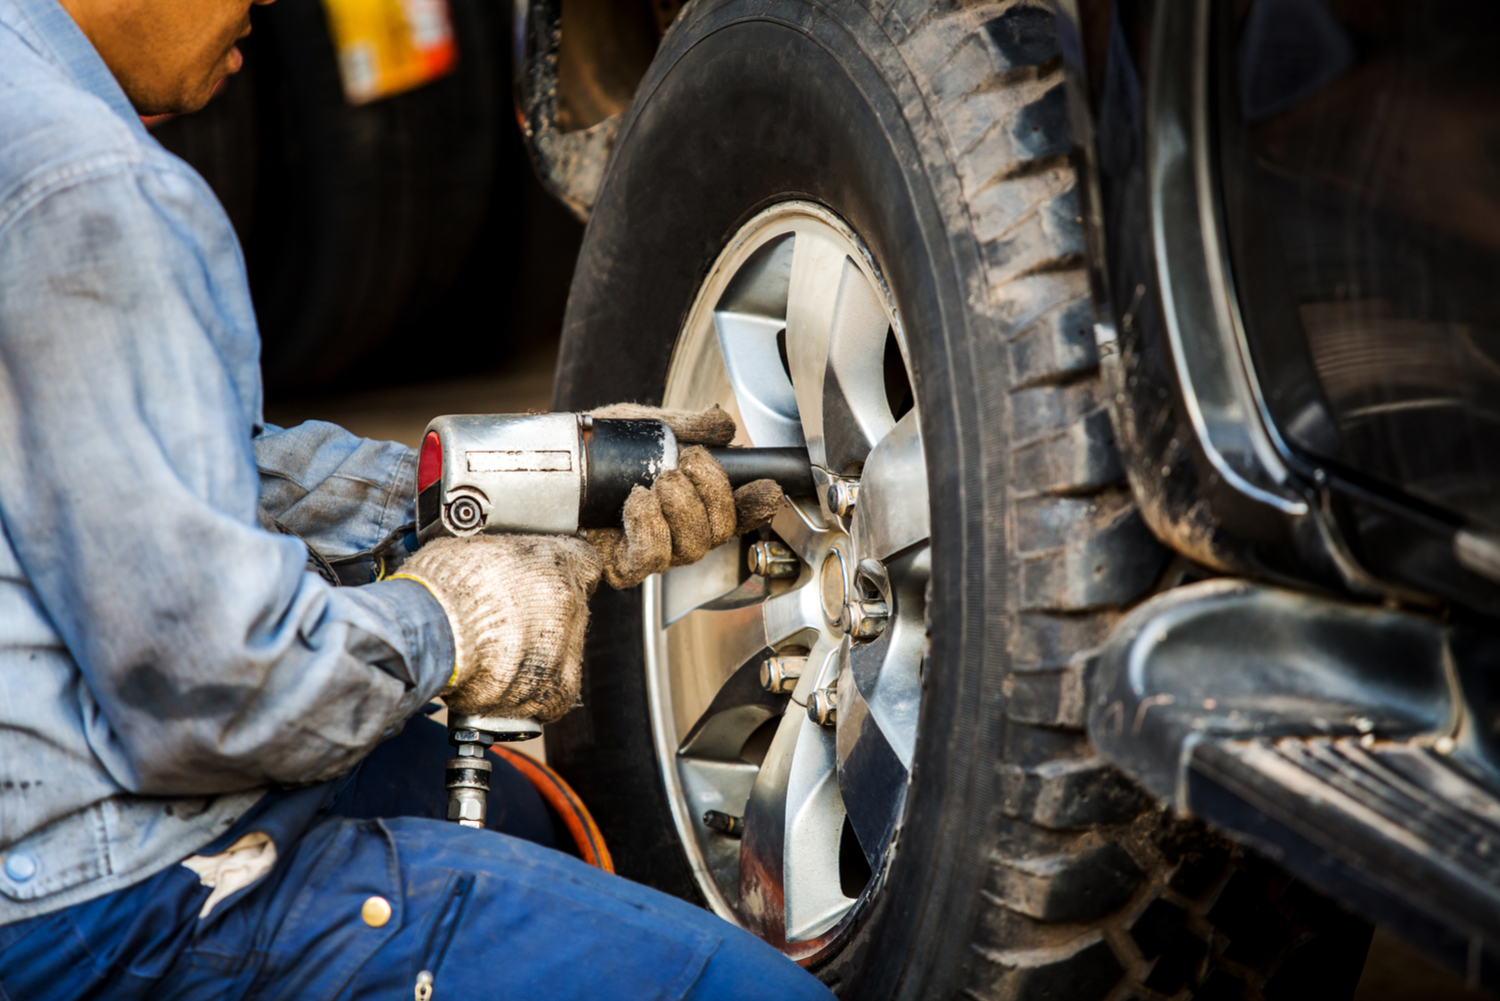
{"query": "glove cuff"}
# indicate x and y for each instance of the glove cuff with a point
(460, 648)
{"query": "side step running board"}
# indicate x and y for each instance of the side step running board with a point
(1365, 826)
(1332, 738)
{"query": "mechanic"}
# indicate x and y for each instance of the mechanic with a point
(182, 700)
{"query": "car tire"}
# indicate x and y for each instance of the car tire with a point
(355, 219)
(1026, 866)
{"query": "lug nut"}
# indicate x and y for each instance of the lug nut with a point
(865, 619)
(724, 823)
(842, 496)
(772, 559)
(778, 675)
(823, 706)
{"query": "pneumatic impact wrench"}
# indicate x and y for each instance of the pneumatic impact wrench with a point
(549, 474)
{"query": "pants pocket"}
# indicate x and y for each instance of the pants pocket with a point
(446, 919)
(349, 905)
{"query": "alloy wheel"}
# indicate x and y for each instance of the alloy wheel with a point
(784, 672)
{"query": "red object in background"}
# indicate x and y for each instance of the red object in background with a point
(388, 47)
(430, 462)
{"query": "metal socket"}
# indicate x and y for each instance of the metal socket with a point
(468, 811)
(778, 675)
(465, 727)
(772, 559)
(865, 619)
(823, 706)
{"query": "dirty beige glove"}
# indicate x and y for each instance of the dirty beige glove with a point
(518, 605)
(688, 510)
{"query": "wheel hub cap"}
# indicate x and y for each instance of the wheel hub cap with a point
(834, 582)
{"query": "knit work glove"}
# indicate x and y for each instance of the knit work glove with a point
(518, 605)
(688, 510)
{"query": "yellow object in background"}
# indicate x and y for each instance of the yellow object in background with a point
(386, 47)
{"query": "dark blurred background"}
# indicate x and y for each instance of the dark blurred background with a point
(388, 243)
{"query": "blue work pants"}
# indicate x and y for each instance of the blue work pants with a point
(474, 915)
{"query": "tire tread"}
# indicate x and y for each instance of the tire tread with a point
(1093, 892)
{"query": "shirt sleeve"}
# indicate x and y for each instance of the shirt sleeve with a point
(212, 660)
(341, 494)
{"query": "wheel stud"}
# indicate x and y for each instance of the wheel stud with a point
(778, 675)
(724, 823)
(772, 559)
(842, 496)
(866, 618)
(823, 706)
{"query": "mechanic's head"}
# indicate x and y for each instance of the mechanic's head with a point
(168, 55)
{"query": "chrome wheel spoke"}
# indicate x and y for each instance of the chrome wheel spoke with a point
(715, 775)
(768, 406)
(871, 778)
(803, 531)
(879, 696)
(728, 648)
(792, 825)
(737, 709)
(814, 812)
(763, 846)
(892, 512)
(718, 581)
(817, 270)
(836, 329)
(790, 617)
(718, 644)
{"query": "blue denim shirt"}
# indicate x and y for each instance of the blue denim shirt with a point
(163, 659)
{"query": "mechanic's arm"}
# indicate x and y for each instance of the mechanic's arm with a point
(341, 494)
(128, 486)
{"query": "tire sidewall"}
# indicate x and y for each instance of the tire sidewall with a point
(703, 149)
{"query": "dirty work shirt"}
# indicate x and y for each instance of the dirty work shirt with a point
(163, 659)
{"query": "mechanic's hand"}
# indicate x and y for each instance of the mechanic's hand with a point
(688, 510)
(518, 605)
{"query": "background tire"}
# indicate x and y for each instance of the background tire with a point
(1026, 868)
(356, 220)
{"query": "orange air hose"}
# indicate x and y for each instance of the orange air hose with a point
(561, 797)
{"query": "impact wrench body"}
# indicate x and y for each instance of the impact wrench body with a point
(548, 474)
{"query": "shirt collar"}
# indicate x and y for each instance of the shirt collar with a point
(48, 28)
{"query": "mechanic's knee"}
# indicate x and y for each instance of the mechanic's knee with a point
(744, 967)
